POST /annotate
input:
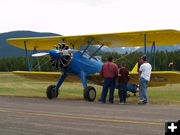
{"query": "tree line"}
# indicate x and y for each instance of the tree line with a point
(161, 61)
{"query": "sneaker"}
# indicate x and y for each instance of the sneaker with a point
(121, 103)
(141, 102)
(145, 102)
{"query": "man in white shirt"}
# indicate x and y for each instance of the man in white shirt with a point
(145, 75)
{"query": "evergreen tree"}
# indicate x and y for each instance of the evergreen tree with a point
(162, 61)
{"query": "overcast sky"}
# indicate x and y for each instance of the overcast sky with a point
(74, 17)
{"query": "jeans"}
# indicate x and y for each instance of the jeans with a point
(143, 83)
(109, 83)
(122, 92)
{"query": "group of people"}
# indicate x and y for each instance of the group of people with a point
(112, 74)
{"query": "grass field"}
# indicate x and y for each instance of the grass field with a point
(12, 85)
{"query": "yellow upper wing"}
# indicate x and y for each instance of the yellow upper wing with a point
(115, 40)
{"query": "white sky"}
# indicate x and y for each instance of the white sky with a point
(74, 17)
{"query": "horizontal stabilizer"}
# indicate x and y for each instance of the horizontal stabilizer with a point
(135, 69)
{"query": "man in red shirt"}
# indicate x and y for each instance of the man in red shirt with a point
(109, 72)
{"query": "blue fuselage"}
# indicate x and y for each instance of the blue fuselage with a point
(83, 65)
(80, 63)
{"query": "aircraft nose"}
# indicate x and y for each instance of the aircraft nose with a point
(54, 53)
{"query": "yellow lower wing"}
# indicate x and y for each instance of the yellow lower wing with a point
(157, 78)
(46, 76)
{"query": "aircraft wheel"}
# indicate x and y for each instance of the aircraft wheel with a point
(51, 92)
(89, 93)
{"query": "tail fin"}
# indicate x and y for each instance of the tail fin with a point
(135, 69)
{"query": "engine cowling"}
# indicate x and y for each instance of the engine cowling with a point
(60, 56)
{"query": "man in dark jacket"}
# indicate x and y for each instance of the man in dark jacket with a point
(123, 78)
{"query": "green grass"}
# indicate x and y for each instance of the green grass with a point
(169, 94)
(12, 85)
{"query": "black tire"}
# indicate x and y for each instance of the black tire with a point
(51, 92)
(90, 93)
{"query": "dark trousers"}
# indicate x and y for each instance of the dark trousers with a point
(109, 83)
(122, 92)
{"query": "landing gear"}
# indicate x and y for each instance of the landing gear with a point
(52, 92)
(89, 93)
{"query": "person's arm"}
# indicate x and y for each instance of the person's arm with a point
(101, 71)
(138, 66)
(128, 76)
(140, 70)
(119, 72)
(116, 70)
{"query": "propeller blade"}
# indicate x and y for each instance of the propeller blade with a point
(40, 54)
(72, 51)
(67, 51)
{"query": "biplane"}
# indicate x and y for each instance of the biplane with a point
(76, 65)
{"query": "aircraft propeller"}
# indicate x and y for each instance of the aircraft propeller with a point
(65, 55)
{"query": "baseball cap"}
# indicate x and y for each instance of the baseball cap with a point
(144, 58)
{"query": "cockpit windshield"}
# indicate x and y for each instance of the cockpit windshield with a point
(91, 51)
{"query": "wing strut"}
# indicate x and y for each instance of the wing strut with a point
(37, 58)
(145, 38)
(96, 51)
(89, 43)
(27, 59)
(30, 65)
(153, 53)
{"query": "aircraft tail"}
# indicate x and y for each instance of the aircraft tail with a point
(135, 69)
